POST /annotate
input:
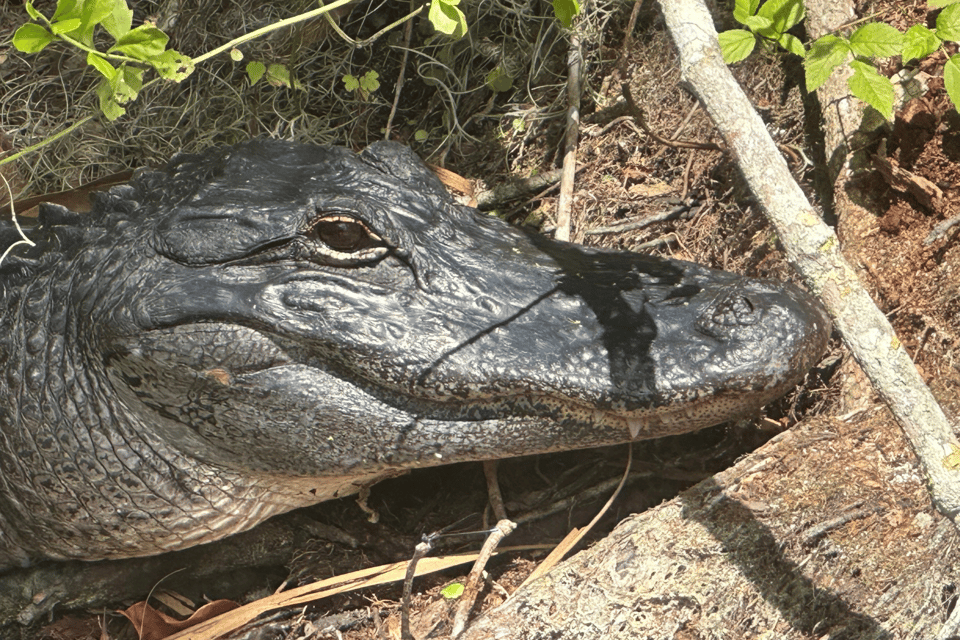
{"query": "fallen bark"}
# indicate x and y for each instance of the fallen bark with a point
(825, 532)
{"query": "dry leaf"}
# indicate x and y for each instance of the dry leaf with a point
(151, 624)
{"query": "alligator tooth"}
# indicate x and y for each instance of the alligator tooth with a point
(634, 425)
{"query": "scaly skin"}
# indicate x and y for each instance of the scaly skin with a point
(273, 325)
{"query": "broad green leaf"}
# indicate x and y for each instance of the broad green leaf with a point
(759, 23)
(452, 591)
(566, 11)
(173, 65)
(792, 44)
(92, 13)
(919, 42)
(143, 43)
(936, 4)
(447, 18)
(127, 84)
(736, 45)
(350, 83)
(948, 24)
(65, 26)
(278, 74)
(743, 9)
(31, 38)
(784, 14)
(369, 82)
(31, 11)
(876, 39)
(119, 21)
(420, 135)
(825, 55)
(255, 71)
(67, 9)
(871, 87)
(951, 80)
(499, 80)
(100, 63)
(108, 103)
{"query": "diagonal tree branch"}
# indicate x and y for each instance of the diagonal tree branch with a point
(814, 250)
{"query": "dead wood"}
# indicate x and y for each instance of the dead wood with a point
(825, 532)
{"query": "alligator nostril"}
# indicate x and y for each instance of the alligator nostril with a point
(728, 312)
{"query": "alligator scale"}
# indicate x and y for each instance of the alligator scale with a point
(272, 325)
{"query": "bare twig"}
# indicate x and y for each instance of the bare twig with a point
(472, 586)
(640, 224)
(565, 202)
(814, 250)
(407, 35)
(493, 489)
(419, 552)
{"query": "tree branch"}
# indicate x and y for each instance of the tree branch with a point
(814, 250)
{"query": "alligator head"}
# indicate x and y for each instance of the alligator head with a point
(273, 325)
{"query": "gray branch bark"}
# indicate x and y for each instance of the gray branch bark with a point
(814, 250)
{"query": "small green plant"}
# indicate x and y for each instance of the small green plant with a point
(123, 64)
(769, 23)
(452, 591)
(364, 85)
(277, 74)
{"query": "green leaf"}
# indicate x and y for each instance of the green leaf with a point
(420, 135)
(143, 43)
(736, 45)
(100, 63)
(948, 24)
(236, 55)
(743, 9)
(255, 71)
(452, 591)
(919, 42)
(119, 21)
(127, 84)
(566, 11)
(108, 103)
(65, 26)
(351, 83)
(936, 4)
(792, 44)
(447, 18)
(871, 87)
(784, 14)
(499, 80)
(825, 55)
(173, 65)
(31, 11)
(951, 80)
(876, 39)
(67, 9)
(759, 23)
(278, 74)
(31, 38)
(369, 82)
(92, 13)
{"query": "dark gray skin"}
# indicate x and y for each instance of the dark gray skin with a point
(274, 325)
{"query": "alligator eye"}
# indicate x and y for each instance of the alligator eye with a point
(344, 239)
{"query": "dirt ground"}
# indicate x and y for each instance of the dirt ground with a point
(625, 177)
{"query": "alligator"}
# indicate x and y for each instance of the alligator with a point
(272, 325)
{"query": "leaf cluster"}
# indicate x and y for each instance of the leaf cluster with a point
(769, 23)
(122, 65)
